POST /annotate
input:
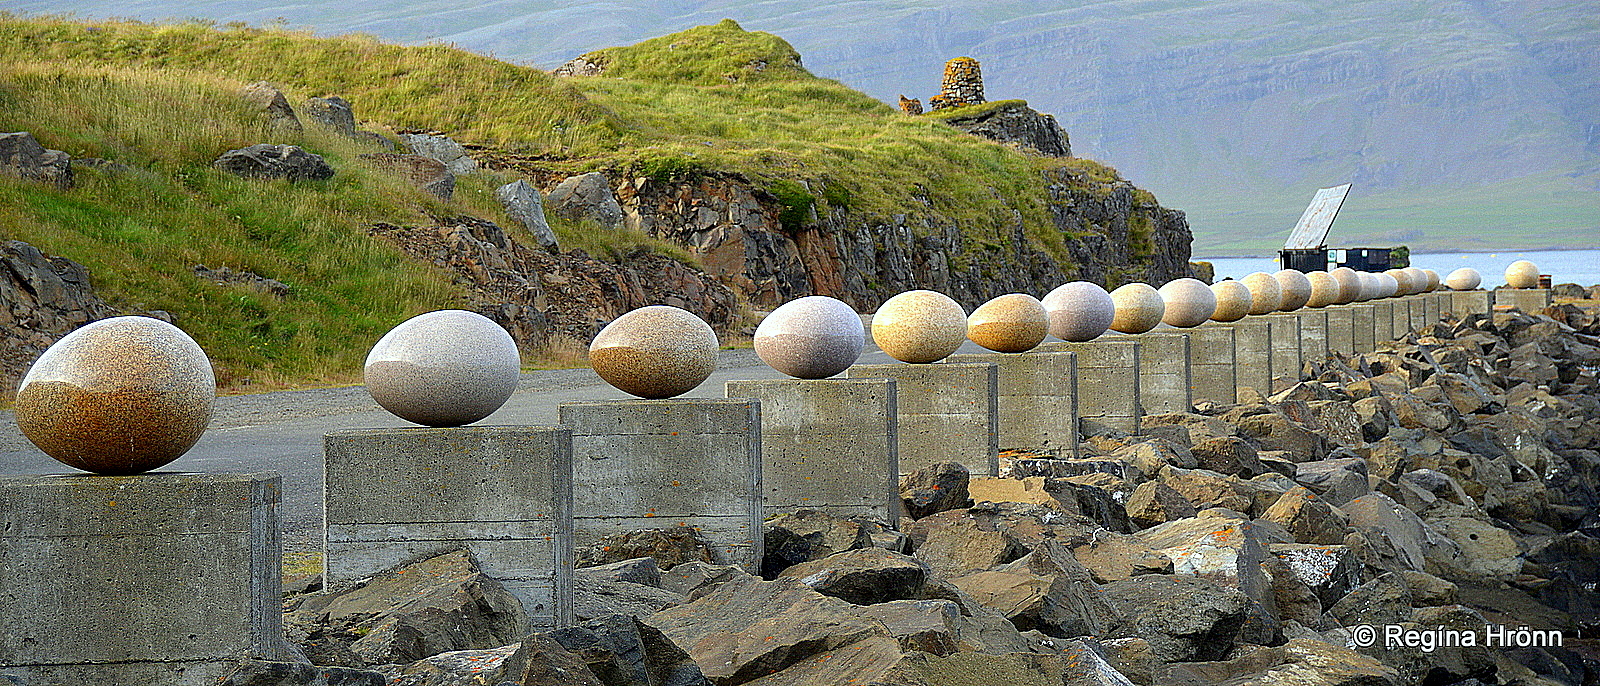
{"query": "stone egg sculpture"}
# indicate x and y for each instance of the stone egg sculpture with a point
(1349, 285)
(1233, 301)
(118, 396)
(1011, 323)
(1419, 279)
(1138, 308)
(1406, 284)
(919, 326)
(1265, 293)
(1294, 288)
(655, 352)
(1325, 289)
(1433, 280)
(813, 337)
(1189, 302)
(1388, 285)
(443, 368)
(1370, 286)
(1463, 279)
(1079, 311)
(1522, 274)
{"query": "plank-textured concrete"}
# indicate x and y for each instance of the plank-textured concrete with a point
(1212, 368)
(1285, 350)
(828, 444)
(1419, 312)
(150, 579)
(1383, 316)
(645, 464)
(1466, 303)
(1432, 308)
(1165, 377)
(1252, 353)
(1528, 300)
(1313, 334)
(502, 492)
(1341, 330)
(1036, 399)
(1364, 325)
(1109, 380)
(948, 412)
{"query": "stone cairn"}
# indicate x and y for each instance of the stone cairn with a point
(963, 85)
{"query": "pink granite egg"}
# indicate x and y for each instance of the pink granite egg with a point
(1294, 288)
(1522, 274)
(1349, 285)
(1464, 279)
(1079, 311)
(813, 337)
(1189, 302)
(1324, 289)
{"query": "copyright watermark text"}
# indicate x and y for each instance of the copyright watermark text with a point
(1429, 640)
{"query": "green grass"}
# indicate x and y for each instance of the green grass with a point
(970, 111)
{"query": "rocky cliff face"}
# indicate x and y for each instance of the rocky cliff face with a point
(42, 298)
(1013, 122)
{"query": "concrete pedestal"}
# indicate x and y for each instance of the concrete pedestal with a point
(1313, 335)
(828, 444)
(1109, 380)
(1341, 330)
(1402, 319)
(1212, 367)
(502, 492)
(1383, 317)
(947, 413)
(1285, 350)
(1252, 353)
(1433, 308)
(1467, 303)
(1036, 399)
(1364, 327)
(1419, 312)
(1165, 376)
(1527, 300)
(153, 579)
(646, 464)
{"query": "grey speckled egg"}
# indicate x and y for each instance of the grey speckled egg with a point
(919, 326)
(1349, 285)
(1139, 308)
(1233, 301)
(1266, 295)
(1388, 285)
(1294, 289)
(119, 396)
(1324, 289)
(1464, 279)
(1011, 323)
(1522, 274)
(1079, 311)
(1189, 302)
(1419, 279)
(443, 368)
(813, 337)
(1371, 287)
(655, 352)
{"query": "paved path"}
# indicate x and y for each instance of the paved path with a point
(282, 432)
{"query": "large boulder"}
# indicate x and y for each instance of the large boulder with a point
(669, 547)
(523, 204)
(1309, 518)
(1300, 662)
(935, 488)
(423, 172)
(805, 535)
(269, 673)
(958, 545)
(863, 576)
(268, 161)
(1185, 619)
(23, 157)
(1016, 123)
(42, 298)
(271, 101)
(622, 651)
(441, 148)
(332, 112)
(586, 197)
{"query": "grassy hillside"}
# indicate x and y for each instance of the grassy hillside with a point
(162, 99)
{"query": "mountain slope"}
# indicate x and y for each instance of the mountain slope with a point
(1466, 124)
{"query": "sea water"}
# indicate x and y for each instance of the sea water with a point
(1564, 266)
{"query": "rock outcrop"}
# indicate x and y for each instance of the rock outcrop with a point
(268, 161)
(1015, 123)
(42, 298)
(23, 157)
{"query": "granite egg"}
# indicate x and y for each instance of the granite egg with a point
(1522, 274)
(1079, 311)
(1189, 302)
(1419, 279)
(655, 352)
(1463, 279)
(1324, 289)
(443, 368)
(1011, 323)
(1433, 280)
(1349, 285)
(1266, 295)
(813, 337)
(1233, 301)
(1294, 288)
(1388, 285)
(1139, 308)
(919, 326)
(118, 396)
(1402, 279)
(1371, 287)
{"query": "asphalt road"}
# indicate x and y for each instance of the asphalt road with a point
(282, 432)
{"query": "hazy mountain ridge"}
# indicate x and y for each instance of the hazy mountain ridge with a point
(1234, 110)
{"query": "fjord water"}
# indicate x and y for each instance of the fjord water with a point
(1563, 266)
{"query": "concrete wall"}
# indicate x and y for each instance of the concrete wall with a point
(1109, 380)
(1036, 399)
(647, 464)
(1285, 350)
(1419, 312)
(947, 413)
(1464, 303)
(1382, 321)
(1252, 352)
(502, 492)
(1364, 320)
(1165, 376)
(1433, 308)
(149, 579)
(1211, 365)
(828, 444)
(1341, 330)
(1313, 335)
(1528, 300)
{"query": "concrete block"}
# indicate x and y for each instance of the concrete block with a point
(948, 412)
(1313, 335)
(647, 464)
(1165, 375)
(1212, 365)
(1364, 323)
(1285, 350)
(1382, 321)
(1419, 312)
(1465, 303)
(1252, 353)
(151, 579)
(1341, 330)
(1036, 399)
(1433, 308)
(502, 492)
(1109, 380)
(1527, 300)
(828, 444)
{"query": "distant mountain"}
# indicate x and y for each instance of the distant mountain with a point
(1472, 124)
